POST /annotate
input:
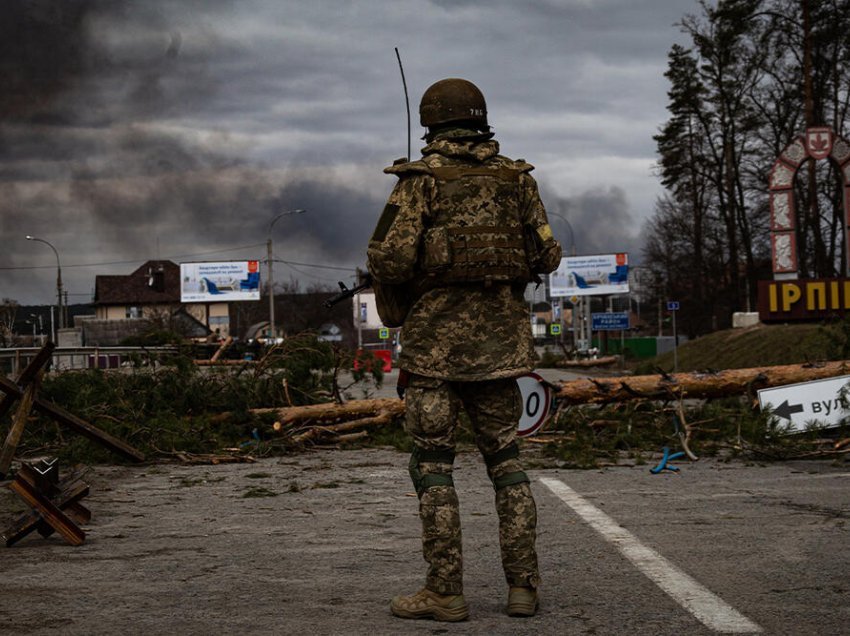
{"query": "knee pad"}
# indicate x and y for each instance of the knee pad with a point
(499, 457)
(424, 481)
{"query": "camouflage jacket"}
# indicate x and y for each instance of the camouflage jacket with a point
(463, 332)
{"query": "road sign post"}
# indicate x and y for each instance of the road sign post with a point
(536, 403)
(796, 405)
(673, 307)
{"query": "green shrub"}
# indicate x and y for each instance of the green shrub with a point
(176, 406)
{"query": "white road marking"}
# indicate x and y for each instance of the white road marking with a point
(708, 608)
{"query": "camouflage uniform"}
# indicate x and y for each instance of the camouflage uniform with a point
(464, 345)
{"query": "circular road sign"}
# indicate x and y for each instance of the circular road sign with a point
(536, 403)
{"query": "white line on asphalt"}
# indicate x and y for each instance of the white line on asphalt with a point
(708, 608)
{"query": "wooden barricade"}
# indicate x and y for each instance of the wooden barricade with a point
(55, 504)
(25, 389)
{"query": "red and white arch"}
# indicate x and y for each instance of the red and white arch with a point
(816, 144)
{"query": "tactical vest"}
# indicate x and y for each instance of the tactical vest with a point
(475, 234)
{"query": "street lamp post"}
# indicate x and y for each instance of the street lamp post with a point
(561, 300)
(58, 282)
(569, 227)
(37, 317)
(271, 271)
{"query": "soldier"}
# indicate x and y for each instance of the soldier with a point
(463, 233)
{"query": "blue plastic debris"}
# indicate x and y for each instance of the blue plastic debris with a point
(664, 463)
(255, 434)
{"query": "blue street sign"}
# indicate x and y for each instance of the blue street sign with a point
(555, 329)
(383, 333)
(672, 305)
(610, 321)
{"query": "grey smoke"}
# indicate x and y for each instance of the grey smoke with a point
(601, 222)
(81, 165)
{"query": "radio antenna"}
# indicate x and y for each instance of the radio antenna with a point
(406, 100)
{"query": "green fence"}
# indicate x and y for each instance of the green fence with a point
(634, 347)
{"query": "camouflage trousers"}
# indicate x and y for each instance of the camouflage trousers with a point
(494, 408)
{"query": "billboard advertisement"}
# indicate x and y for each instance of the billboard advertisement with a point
(221, 281)
(594, 275)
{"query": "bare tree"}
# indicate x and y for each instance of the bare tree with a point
(756, 74)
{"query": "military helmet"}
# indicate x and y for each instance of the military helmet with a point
(453, 100)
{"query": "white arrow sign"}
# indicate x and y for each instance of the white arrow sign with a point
(796, 405)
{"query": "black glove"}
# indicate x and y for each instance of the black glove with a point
(401, 384)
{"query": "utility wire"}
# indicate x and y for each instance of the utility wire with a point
(137, 260)
(341, 269)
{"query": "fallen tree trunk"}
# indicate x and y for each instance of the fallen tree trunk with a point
(696, 384)
(586, 362)
(583, 391)
(331, 411)
(382, 419)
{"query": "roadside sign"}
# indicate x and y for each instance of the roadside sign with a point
(796, 405)
(610, 321)
(383, 333)
(672, 305)
(590, 275)
(536, 403)
(555, 329)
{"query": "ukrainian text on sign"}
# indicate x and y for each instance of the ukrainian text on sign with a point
(798, 405)
(610, 321)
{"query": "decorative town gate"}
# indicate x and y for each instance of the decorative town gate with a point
(816, 144)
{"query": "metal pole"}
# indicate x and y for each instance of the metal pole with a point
(578, 334)
(271, 286)
(675, 345)
(58, 280)
(561, 320)
(576, 323)
(569, 227)
(359, 318)
(272, 328)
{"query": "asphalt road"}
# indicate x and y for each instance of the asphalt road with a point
(716, 548)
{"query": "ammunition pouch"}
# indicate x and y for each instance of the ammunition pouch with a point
(482, 253)
(393, 302)
(424, 481)
(476, 235)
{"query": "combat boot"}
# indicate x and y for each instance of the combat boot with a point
(428, 604)
(522, 601)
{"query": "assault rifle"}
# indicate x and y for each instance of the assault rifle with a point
(345, 292)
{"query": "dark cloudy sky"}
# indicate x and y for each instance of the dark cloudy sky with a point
(179, 128)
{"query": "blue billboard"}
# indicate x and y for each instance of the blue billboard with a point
(610, 321)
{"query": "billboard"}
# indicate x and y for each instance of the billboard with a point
(594, 275)
(221, 281)
(610, 321)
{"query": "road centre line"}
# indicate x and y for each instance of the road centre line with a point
(708, 608)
